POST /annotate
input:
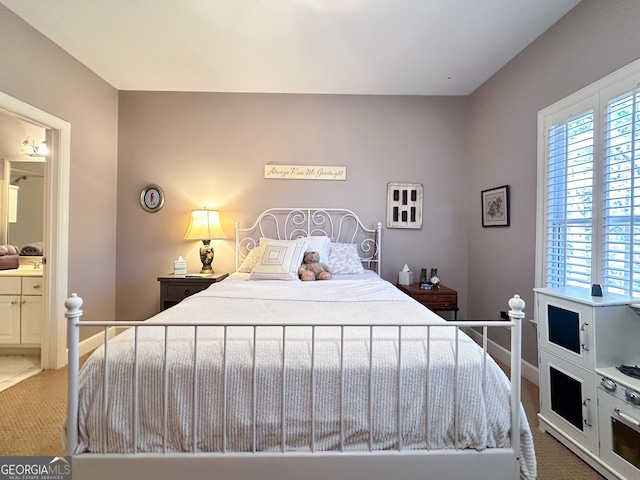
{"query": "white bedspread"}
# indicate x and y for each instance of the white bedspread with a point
(429, 418)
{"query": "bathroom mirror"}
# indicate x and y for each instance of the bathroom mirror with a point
(23, 202)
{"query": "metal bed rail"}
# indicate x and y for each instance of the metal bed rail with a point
(74, 313)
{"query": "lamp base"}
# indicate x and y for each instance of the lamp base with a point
(206, 256)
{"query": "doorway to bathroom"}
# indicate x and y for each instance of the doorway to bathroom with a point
(54, 241)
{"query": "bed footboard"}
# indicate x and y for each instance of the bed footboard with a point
(368, 462)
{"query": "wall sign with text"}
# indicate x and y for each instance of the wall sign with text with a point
(305, 172)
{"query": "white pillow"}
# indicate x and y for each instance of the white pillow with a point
(279, 259)
(320, 244)
(344, 258)
(250, 260)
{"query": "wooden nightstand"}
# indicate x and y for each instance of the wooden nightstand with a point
(436, 299)
(175, 288)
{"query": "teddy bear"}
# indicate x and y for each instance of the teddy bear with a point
(313, 269)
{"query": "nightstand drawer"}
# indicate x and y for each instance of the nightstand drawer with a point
(182, 291)
(175, 288)
(442, 298)
(439, 301)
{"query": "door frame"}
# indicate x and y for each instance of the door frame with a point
(56, 226)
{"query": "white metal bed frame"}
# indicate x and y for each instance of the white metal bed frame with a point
(490, 464)
(339, 224)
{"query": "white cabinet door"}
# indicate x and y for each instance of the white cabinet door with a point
(32, 310)
(568, 399)
(9, 319)
(565, 328)
(32, 314)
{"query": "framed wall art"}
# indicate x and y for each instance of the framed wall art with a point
(495, 207)
(404, 205)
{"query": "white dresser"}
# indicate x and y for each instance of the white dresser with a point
(21, 307)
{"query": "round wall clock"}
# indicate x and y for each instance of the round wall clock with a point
(152, 198)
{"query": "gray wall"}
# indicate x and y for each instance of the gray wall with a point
(591, 41)
(36, 71)
(207, 149)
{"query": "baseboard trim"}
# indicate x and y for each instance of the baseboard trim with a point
(529, 371)
(88, 345)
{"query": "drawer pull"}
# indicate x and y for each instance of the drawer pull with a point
(36, 286)
(14, 302)
(186, 292)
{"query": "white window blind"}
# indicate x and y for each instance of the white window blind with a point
(588, 222)
(569, 201)
(621, 249)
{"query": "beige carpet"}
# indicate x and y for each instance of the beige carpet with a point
(32, 412)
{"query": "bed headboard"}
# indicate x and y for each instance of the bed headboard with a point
(339, 224)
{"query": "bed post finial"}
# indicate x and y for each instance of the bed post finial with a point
(517, 306)
(73, 304)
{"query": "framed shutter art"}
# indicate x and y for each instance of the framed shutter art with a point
(404, 205)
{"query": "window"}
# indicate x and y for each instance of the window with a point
(569, 202)
(589, 187)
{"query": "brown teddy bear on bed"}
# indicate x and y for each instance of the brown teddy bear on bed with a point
(312, 269)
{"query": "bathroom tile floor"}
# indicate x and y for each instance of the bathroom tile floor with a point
(15, 368)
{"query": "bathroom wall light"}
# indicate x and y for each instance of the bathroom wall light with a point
(29, 148)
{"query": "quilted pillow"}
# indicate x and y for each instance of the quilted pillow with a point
(344, 258)
(279, 259)
(320, 244)
(250, 260)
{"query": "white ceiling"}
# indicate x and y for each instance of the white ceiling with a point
(387, 47)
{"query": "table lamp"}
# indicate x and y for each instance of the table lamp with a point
(205, 225)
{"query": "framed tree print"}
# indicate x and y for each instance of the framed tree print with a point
(495, 207)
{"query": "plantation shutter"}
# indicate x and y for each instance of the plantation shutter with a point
(621, 254)
(569, 201)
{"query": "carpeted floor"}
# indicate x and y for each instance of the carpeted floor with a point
(32, 412)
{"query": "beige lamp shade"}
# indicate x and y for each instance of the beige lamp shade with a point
(204, 225)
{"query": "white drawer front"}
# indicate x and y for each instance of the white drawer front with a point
(32, 285)
(9, 285)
